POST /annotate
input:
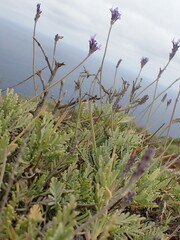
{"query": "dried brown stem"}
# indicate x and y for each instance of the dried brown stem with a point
(33, 61)
(45, 56)
(12, 175)
(25, 80)
(171, 119)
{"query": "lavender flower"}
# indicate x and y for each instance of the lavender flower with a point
(143, 164)
(129, 197)
(115, 15)
(130, 162)
(176, 45)
(93, 45)
(169, 102)
(143, 99)
(117, 65)
(144, 60)
(163, 99)
(156, 238)
(38, 8)
(38, 12)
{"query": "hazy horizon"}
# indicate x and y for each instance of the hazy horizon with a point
(16, 64)
(143, 30)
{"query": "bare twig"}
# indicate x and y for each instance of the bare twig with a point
(102, 63)
(174, 233)
(60, 80)
(161, 71)
(45, 56)
(12, 175)
(157, 95)
(42, 80)
(4, 160)
(33, 61)
(172, 115)
(25, 80)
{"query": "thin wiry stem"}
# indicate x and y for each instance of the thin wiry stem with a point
(154, 134)
(25, 80)
(138, 76)
(93, 84)
(41, 102)
(9, 185)
(145, 111)
(114, 82)
(56, 39)
(41, 79)
(60, 98)
(54, 53)
(33, 60)
(131, 96)
(158, 107)
(92, 128)
(112, 96)
(167, 147)
(161, 71)
(12, 175)
(155, 123)
(157, 96)
(166, 127)
(45, 56)
(153, 83)
(172, 115)
(102, 63)
(79, 106)
(58, 81)
(4, 160)
(115, 75)
(174, 233)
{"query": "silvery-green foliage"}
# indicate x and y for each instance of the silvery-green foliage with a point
(56, 190)
(14, 114)
(61, 173)
(149, 187)
(63, 223)
(46, 144)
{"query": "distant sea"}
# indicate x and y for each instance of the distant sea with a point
(16, 65)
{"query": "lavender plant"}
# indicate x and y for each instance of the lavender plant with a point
(80, 170)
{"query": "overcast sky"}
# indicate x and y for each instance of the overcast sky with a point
(146, 28)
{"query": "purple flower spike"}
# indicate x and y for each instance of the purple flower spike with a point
(163, 99)
(156, 238)
(144, 60)
(169, 102)
(176, 45)
(115, 15)
(143, 164)
(129, 197)
(143, 99)
(38, 12)
(93, 45)
(38, 8)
